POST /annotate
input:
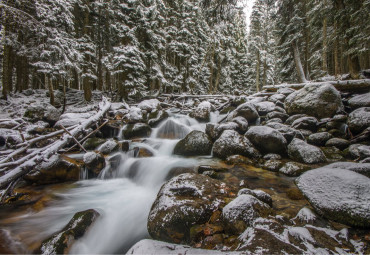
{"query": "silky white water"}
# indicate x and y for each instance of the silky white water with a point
(123, 196)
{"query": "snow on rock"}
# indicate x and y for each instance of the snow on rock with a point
(94, 162)
(359, 120)
(303, 152)
(182, 202)
(288, 132)
(108, 147)
(267, 140)
(259, 194)
(150, 105)
(215, 130)
(242, 124)
(361, 168)
(277, 97)
(360, 101)
(242, 211)
(319, 101)
(196, 143)
(71, 119)
(293, 168)
(338, 194)
(203, 111)
(246, 110)
(134, 115)
(42, 111)
(264, 107)
(286, 91)
(232, 143)
(148, 246)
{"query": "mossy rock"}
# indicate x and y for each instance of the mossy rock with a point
(93, 143)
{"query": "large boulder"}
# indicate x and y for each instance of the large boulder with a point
(43, 112)
(303, 152)
(215, 130)
(359, 120)
(136, 130)
(202, 112)
(61, 242)
(360, 101)
(172, 129)
(361, 168)
(264, 108)
(182, 202)
(194, 144)
(57, 169)
(242, 211)
(338, 194)
(150, 105)
(232, 143)
(320, 101)
(246, 110)
(307, 123)
(267, 140)
(94, 162)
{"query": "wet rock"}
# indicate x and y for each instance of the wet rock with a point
(307, 123)
(272, 165)
(336, 125)
(62, 242)
(182, 202)
(94, 162)
(294, 168)
(247, 111)
(340, 118)
(214, 131)
(272, 156)
(259, 194)
(108, 147)
(319, 139)
(232, 143)
(157, 118)
(124, 145)
(242, 211)
(279, 115)
(202, 112)
(264, 108)
(238, 159)
(196, 143)
(319, 101)
(332, 153)
(202, 169)
(338, 194)
(338, 143)
(267, 140)
(359, 120)
(275, 120)
(360, 101)
(58, 169)
(111, 129)
(288, 132)
(136, 130)
(303, 152)
(171, 129)
(142, 152)
(242, 124)
(292, 118)
(361, 168)
(179, 170)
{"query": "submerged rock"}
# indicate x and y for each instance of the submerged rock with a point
(338, 194)
(267, 140)
(62, 242)
(319, 101)
(196, 143)
(232, 143)
(303, 152)
(182, 202)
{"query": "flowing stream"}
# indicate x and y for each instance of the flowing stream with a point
(123, 195)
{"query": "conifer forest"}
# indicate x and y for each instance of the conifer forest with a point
(185, 127)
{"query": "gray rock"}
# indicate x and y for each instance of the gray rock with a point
(264, 107)
(338, 142)
(196, 143)
(319, 139)
(280, 115)
(246, 110)
(286, 91)
(267, 140)
(108, 147)
(277, 97)
(232, 143)
(94, 162)
(307, 123)
(361, 168)
(272, 156)
(359, 120)
(215, 130)
(288, 132)
(303, 152)
(318, 101)
(259, 194)
(136, 130)
(294, 168)
(360, 101)
(338, 194)
(292, 118)
(242, 124)
(274, 120)
(202, 112)
(272, 165)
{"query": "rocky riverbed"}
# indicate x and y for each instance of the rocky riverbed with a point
(268, 173)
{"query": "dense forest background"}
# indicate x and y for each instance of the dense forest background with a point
(136, 48)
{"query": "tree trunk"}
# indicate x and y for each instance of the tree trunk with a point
(336, 49)
(218, 75)
(298, 64)
(264, 72)
(258, 71)
(6, 71)
(49, 85)
(324, 46)
(87, 88)
(354, 66)
(19, 71)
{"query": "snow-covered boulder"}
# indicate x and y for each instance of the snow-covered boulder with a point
(61, 242)
(45, 112)
(277, 97)
(267, 140)
(71, 119)
(259, 194)
(338, 194)
(108, 147)
(264, 108)
(94, 162)
(150, 105)
(319, 101)
(359, 120)
(246, 110)
(359, 151)
(319, 139)
(232, 143)
(134, 115)
(136, 130)
(242, 124)
(360, 101)
(57, 169)
(196, 143)
(182, 202)
(339, 143)
(286, 91)
(242, 211)
(202, 112)
(303, 152)
(361, 168)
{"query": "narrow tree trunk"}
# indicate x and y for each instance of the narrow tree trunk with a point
(6, 71)
(324, 46)
(49, 85)
(19, 71)
(298, 64)
(354, 66)
(336, 49)
(264, 72)
(258, 71)
(218, 75)
(87, 88)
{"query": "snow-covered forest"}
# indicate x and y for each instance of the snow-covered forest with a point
(185, 127)
(147, 47)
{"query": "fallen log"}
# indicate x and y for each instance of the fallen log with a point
(344, 86)
(44, 154)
